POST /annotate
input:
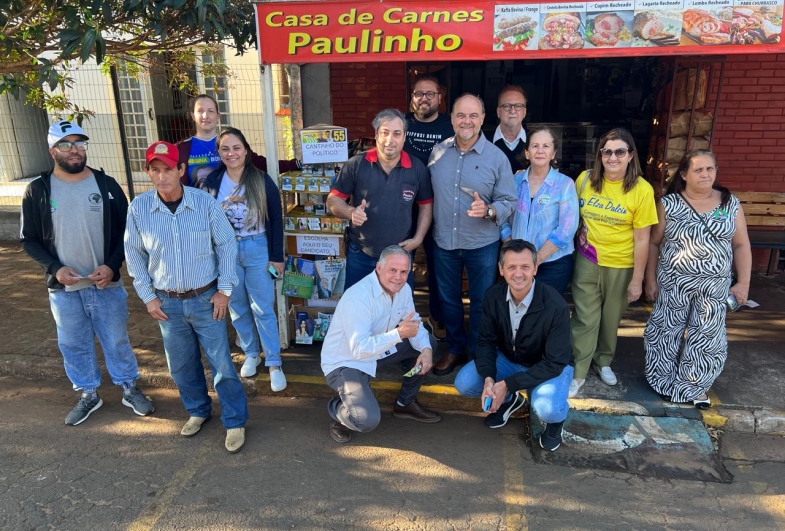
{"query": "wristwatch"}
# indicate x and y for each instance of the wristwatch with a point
(226, 292)
(490, 213)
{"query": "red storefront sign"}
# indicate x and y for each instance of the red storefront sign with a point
(328, 32)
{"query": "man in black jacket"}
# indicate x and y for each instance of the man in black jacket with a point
(73, 220)
(523, 343)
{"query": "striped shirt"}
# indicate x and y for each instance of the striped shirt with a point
(182, 251)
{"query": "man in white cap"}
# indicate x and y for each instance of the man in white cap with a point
(73, 220)
(181, 253)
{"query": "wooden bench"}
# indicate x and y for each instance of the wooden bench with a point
(765, 216)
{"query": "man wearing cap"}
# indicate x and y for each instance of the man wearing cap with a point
(73, 219)
(181, 253)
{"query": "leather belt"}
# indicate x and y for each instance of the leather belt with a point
(188, 294)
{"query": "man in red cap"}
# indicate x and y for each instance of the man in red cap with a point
(181, 253)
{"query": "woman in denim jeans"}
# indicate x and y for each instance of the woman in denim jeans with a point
(252, 203)
(547, 210)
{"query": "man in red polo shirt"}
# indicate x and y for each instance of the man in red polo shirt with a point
(376, 191)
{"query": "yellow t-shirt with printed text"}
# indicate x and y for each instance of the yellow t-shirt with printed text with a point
(608, 219)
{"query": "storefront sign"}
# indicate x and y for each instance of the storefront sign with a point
(326, 32)
(319, 245)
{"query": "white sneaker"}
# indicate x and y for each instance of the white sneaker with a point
(277, 380)
(606, 375)
(249, 366)
(575, 386)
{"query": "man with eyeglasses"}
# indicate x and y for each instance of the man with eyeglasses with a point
(474, 193)
(510, 136)
(426, 127)
(73, 220)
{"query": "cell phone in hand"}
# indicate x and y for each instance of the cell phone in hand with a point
(413, 371)
(486, 404)
(272, 271)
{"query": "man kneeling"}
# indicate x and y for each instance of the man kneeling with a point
(523, 343)
(375, 324)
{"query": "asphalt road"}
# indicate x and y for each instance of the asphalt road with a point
(117, 471)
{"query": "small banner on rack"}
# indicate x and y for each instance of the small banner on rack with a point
(323, 144)
(331, 32)
(319, 245)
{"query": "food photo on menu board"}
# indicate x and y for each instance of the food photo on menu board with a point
(515, 27)
(609, 24)
(657, 23)
(706, 22)
(756, 22)
(562, 26)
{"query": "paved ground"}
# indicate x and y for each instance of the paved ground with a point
(117, 471)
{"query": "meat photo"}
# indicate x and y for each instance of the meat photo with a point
(647, 25)
(704, 27)
(606, 29)
(561, 31)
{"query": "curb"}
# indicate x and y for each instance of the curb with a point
(728, 418)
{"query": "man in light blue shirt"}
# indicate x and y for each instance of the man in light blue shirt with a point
(181, 252)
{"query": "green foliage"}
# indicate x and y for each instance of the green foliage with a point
(40, 40)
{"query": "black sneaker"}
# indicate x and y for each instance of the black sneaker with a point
(500, 418)
(137, 401)
(551, 438)
(86, 405)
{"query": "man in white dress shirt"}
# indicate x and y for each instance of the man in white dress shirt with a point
(375, 324)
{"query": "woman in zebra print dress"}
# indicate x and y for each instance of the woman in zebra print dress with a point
(701, 235)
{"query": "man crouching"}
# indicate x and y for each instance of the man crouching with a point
(375, 324)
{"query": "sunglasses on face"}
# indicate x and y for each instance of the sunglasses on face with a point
(509, 106)
(427, 95)
(606, 153)
(65, 147)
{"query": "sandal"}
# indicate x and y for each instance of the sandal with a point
(702, 403)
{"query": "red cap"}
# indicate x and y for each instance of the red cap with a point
(165, 152)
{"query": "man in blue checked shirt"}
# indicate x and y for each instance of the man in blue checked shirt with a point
(181, 252)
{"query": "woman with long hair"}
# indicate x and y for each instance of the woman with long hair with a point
(199, 151)
(701, 237)
(547, 210)
(617, 211)
(252, 204)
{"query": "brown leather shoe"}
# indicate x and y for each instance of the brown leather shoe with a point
(416, 412)
(447, 364)
(340, 433)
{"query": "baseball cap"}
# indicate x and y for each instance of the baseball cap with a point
(62, 129)
(165, 152)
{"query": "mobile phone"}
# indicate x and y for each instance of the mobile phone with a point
(486, 404)
(415, 370)
(272, 271)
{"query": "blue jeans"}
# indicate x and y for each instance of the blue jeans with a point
(556, 274)
(548, 400)
(359, 265)
(80, 316)
(252, 305)
(481, 270)
(191, 324)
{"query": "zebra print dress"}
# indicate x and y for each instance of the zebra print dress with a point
(685, 339)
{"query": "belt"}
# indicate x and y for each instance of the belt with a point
(188, 294)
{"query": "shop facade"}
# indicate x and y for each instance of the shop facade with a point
(585, 87)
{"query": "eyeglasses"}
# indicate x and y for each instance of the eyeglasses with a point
(509, 106)
(427, 95)
(65, 147)
(606, 153)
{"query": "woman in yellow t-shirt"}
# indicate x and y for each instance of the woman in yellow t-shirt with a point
(617, 211)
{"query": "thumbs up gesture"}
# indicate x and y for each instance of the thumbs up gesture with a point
(358, 214)
(408, 327)
(478, 207)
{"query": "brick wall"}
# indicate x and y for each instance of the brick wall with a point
(360, 90)
(749, 135)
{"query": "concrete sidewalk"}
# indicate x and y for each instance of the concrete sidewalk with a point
(748, 396)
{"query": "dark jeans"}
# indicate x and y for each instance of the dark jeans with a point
(359, 265)
(355, 406)
(556, 274)
(434, 302)
(481, 270)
